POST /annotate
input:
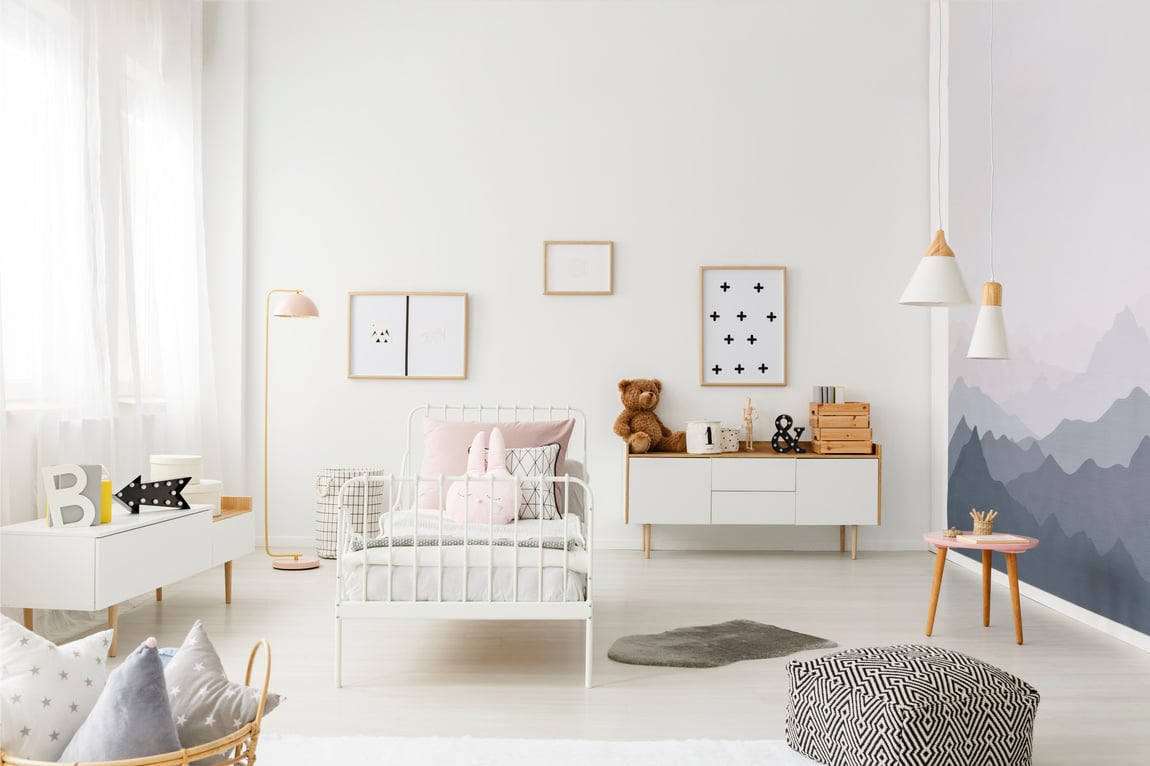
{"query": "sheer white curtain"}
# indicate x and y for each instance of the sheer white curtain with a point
(105, 345)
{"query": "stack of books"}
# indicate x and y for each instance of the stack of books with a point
(993, 538)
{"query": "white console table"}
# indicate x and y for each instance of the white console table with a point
(97, 567)
(759, 487)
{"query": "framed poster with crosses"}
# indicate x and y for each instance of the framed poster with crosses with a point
(743, 326)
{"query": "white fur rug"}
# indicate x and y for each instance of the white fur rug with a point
(289, 750)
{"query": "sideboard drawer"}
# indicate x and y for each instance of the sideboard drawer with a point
(149, 557)
(753, 474)
(752, 507)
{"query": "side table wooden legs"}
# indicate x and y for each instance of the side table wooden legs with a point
(227, 582)
(1012, 574)
(939, 565)
(986, 589)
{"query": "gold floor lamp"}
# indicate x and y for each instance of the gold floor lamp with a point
(294, 304)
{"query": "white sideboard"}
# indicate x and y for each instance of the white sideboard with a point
(757, 487)
(97, 567)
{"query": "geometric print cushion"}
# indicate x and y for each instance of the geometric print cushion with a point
(205, 704)
(536, 498)
(909, 704)
(46, 691)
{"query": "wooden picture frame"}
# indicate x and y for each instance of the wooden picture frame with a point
(578, 268)
(743, 326)
(407, 335)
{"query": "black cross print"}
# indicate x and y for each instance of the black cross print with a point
(763, 368)
(741, 316)
(739, 369)
(759, 287)
(716, 369)
(724, 287)
(729, 340)
(714, 316)
(771, 316)
(752, 340)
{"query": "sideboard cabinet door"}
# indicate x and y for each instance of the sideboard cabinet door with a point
(838, 491)
(669, 491)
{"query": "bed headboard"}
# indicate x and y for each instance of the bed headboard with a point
(576, 461)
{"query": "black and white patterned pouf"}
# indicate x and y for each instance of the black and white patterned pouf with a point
(911, 706)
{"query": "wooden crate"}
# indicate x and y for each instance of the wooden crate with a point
(841, 429)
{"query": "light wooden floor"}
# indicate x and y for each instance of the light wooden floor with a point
(494, 679)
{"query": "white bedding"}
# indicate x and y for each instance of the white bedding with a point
(499, 553)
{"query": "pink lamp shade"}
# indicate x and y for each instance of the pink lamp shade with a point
(296, 305)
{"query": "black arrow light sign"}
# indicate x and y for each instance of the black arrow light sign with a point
(160, 494)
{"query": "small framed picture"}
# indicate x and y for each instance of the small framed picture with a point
(407, 335)
(578, 268)
(743, 326)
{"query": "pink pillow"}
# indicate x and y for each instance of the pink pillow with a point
(445, 445)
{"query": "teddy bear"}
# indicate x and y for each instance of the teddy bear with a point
(638, 424)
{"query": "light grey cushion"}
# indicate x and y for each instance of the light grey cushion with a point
(131, 718)
(205, 704)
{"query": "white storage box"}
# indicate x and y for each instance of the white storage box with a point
(207, 492)
(176, 467)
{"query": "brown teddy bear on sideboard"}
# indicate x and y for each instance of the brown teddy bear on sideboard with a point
(638, 424)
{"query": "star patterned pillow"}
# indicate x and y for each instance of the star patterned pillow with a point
(205, 704)
(47, 691)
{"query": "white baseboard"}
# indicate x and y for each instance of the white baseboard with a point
(1062, 606)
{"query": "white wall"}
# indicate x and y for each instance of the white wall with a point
(435, 145)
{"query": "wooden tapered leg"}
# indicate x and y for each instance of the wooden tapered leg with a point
(28, 619)
(159, 594)
(1012, 573)
(227, 582)
(986, 589)
(939, 564)
(113, 622)
(854, 541)
(842, 538)
(646, 541)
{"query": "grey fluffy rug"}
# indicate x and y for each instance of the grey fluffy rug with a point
(709, 646)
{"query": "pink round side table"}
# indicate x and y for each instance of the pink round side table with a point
(943, 544)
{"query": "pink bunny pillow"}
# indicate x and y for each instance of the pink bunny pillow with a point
(480, 500)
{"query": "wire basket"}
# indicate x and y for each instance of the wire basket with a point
(239, 747)
(983, 527)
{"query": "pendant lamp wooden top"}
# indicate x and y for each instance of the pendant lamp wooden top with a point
(991, 293)
(938, 245)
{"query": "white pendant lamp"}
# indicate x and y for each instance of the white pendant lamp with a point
(937, 280)
(989, 338)
(988, 341)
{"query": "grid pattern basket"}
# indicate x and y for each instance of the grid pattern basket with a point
(364, 510)
(236, 749)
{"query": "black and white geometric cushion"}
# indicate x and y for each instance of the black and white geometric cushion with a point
(536, 498)
(909, 705)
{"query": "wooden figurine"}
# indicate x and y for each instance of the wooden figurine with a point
(750, 415)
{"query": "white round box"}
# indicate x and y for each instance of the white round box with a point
(206, 492)
(703, 437)
(176, 467)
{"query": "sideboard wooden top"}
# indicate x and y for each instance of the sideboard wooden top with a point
(763, 450)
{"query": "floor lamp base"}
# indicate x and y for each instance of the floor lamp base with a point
(303, 562)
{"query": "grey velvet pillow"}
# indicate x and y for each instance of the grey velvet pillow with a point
(205, 704)
(131, 718)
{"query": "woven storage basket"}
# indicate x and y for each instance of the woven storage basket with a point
(364, 511)
(239, 747)
(983, 527)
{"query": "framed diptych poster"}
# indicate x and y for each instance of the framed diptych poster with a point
(407, 335)
(743, 326)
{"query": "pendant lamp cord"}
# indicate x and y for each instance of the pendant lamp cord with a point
(938, 97)
(990, 73)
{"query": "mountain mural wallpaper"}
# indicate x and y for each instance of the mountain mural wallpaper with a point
(1057, 438)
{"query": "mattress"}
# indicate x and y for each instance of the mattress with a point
(471, 558)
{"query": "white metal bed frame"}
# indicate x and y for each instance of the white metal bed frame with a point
(402, 490)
